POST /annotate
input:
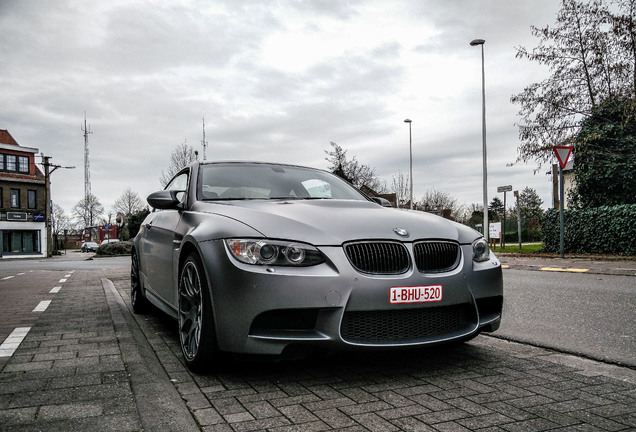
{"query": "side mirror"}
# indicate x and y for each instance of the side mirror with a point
(165, 199)
(383, 202)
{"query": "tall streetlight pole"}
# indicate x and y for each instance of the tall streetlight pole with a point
(409, 121)
(483, 134)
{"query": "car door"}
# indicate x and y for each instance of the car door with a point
(159, 247)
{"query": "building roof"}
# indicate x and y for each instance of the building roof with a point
(7, 142)
(6, 138)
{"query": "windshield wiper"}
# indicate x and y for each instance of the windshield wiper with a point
(297, 198)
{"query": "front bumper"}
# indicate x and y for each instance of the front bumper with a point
(263, 310)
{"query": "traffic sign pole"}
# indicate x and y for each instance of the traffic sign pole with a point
(504, 189)
(563, 154)
(561, 240)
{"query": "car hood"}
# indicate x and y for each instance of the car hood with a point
(333, 222)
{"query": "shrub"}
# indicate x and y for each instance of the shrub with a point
(601, 230)
(117, 248)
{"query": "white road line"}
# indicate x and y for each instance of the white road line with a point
(62, 280)
(41, 307)
(12, 341)
(55, 290)
(8, 277)
(67, 276)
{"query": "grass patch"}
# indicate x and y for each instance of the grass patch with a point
(525, 248)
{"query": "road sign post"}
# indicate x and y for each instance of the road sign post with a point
(563, 154)
(504, 189)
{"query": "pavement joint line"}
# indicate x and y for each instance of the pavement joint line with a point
(13, 341)
(41, 307)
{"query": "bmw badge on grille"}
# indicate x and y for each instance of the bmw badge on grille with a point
(401, 232)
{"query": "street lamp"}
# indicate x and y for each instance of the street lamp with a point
(483, 134)
(409, 121)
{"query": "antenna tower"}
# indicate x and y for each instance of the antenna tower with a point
(87, 167)
(204, 143)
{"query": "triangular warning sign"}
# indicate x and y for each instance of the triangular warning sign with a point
(563, 154)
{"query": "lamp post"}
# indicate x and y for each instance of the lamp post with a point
(483, 134)
(409, 121)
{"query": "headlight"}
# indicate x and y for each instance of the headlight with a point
(481, 252)
(274, 252)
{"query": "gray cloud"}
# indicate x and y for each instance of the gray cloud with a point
(276, 80)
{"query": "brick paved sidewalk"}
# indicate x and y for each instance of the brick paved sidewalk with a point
(90, 364)
(79, 368)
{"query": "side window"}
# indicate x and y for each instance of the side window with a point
(180, 184)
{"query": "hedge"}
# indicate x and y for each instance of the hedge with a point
(601, 230)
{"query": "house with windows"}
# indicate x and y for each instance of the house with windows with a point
(22, 201)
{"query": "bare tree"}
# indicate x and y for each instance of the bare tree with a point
(400, 187)
(128, 203)
(181, 156)
(590, 52)
(438, 201)
(87, 212)
(59, 220)
(351, 170)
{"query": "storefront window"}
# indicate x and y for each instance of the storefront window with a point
(15, 242)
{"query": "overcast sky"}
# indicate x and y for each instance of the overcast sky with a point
(276, 81)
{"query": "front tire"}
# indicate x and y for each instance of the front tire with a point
(197, 334)
(137, 299)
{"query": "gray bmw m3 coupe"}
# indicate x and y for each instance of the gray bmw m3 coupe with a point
(256, 258)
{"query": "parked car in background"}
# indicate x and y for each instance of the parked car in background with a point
(106, 241)
(89, 247)
(257, 258)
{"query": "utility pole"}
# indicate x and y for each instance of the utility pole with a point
(88, 215)
(46, 163)
(204, 143)
(47, 203)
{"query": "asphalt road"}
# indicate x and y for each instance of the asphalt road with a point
(584, 314)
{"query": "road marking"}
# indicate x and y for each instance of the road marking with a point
(41, 307)
(67, 276)
(557, 269)
(8, 277)
(62, 280)
(55, 290)
(505, 266)
(12, 341)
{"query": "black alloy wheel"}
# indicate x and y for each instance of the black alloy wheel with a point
(137, 298)
(196, 325)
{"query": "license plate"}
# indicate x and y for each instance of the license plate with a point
(416, 294)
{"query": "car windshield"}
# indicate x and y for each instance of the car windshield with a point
(239, 181)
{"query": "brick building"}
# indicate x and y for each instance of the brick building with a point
(22, 201)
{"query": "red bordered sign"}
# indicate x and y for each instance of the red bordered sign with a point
(563, 154)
